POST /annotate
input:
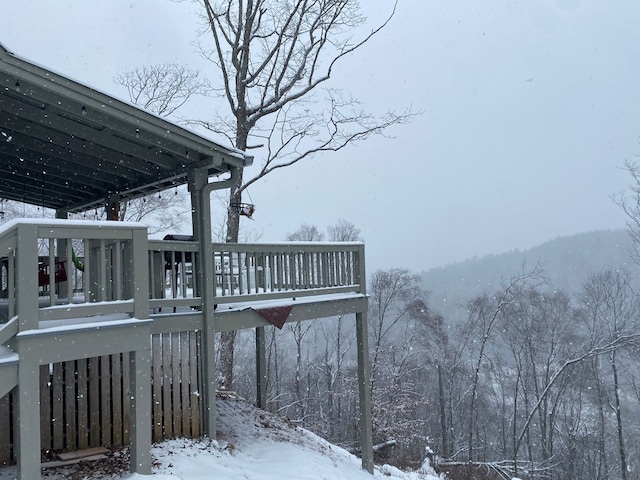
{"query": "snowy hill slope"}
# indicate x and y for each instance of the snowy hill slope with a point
(252, 444)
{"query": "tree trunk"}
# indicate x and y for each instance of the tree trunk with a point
(474, 391)
(330, 392)
(443, 418)
(515, 421)
(297, 385)
(228, 339)
(273, 373)
(618, 411)
(603, 468)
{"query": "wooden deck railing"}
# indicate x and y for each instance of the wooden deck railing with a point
(36, 291)
(98, 279)
(253, 272)
(41, 281)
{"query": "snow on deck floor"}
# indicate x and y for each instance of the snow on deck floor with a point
(252, 444)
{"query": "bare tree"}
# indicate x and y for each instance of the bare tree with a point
(162, 89)
(630, 203)
(538, 330)
(485, 313)
(273, 57)
(161, 212)
(396, 295)
(10, 209)
(338, 341)
(613, 311)
(397, 303)
(299, 332)
(602, 340)
(400, 326)
(306, 233)
(343, 231)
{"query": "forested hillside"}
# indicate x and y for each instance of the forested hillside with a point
(565, 262)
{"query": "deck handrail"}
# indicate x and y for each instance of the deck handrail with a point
(255, 271)
(36, 260)
(267, 271)
(243, 272)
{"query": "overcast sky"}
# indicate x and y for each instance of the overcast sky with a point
(530, 109)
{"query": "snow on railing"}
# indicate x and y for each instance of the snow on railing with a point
(246, 272)
(60, 269)
(67, 269)
(253, 272)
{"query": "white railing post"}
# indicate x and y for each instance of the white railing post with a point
(28, 415)
(139, 285)
(27, 266)
(140, 404)
(364, 369)
(28, 401)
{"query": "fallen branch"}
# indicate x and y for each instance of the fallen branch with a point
(381, 446)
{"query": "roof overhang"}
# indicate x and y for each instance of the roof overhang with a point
(66, 146)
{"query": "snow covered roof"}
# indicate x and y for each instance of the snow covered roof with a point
(64, 145)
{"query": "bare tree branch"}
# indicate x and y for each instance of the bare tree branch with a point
(630, 204)
(161, 89)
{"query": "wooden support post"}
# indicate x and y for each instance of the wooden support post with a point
(195, 185)
(27, 261)
(27, 394)
(137, 268)
(261, 369)
(65, 288)
(201, 207)
(364, 368)
(140, 384)
(112, 207)
(208, 381)
(137, 286)
(364, 383)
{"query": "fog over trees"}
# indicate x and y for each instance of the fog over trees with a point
(527, 379)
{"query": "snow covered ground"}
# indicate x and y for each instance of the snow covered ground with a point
(252, 445)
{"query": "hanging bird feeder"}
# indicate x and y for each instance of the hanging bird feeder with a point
(246, 209)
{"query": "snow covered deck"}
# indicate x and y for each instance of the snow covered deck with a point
(116, 289)
(104, 269)
(106, 275)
